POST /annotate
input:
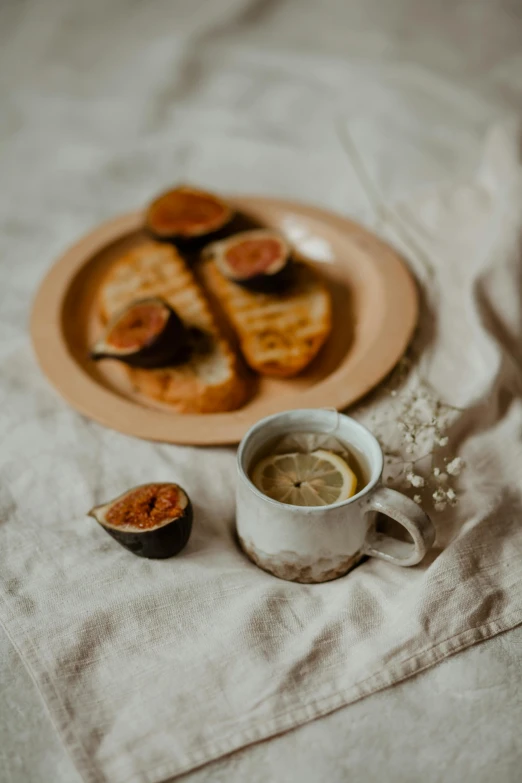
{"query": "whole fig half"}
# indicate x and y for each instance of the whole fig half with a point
(187, 216)
(147, 333)
(151, 520)
(259, 260)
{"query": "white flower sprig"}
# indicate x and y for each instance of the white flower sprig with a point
(418, 457)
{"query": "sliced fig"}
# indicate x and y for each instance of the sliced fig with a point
(186, 216)
(152, 520)
(147, 333)
(259, 260)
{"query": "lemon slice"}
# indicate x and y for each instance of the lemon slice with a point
(316, 479)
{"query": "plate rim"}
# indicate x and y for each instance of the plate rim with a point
(97, 402)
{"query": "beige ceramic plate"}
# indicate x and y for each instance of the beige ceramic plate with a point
(375, 311)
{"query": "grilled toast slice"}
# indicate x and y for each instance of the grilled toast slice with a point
(210, 381)
(279, 333)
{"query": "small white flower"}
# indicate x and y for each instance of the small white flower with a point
(440, 506)
(417, 499)
(415, 480)
(452, 497)
(410, 449)
(408, 437)
(436, 471)
(455, 466)
(401, 426)
(443, 441)
(439, 496)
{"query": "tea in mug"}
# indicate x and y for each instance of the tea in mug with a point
(309, 469)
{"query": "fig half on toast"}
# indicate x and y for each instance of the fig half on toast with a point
(279, 334)
(152, 520)
(258, 260)
(147, 333)
(186, 216)
(211, 379)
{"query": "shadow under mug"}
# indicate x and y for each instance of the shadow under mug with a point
(319, 543)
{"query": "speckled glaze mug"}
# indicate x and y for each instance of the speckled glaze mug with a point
(320, 543)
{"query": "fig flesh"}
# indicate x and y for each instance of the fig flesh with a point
(186, 216)
(258, 260)
(151, 520)
(147, 333)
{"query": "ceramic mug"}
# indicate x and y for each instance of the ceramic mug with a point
(319, 543)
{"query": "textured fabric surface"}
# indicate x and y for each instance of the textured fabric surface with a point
(149, 669)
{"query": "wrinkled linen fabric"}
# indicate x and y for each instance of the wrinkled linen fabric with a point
(150, 669)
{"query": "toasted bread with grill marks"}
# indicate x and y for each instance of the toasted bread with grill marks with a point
(210, 380)
(279, 333)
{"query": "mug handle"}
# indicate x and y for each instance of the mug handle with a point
(408, 514)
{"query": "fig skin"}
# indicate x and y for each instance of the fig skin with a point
(188, 239)
(156, 543)
(270, 284)
(170, 346)
(279, 274)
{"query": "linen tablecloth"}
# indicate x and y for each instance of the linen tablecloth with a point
(306, 650)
